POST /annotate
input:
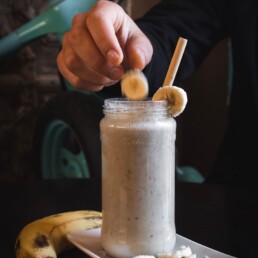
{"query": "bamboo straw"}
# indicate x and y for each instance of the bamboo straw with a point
(175, 61)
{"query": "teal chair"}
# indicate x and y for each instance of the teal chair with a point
(189, 174)
(54, 157)
(55, 19)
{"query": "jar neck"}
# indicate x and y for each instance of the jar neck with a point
(145, 108)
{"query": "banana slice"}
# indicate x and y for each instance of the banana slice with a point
(183, 252)
(134, 85)
(46, 237)
(176, 97)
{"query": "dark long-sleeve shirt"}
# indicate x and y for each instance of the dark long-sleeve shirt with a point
(205, 23)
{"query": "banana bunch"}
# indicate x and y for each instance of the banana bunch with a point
(46, 237)
(176, 97)
(134, 85)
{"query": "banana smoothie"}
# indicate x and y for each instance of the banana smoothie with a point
(138, 165)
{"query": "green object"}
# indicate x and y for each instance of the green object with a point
(56, 19)
(188, 174)
(58, 160)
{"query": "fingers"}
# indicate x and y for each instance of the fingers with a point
(100, 44)
(80, 52)
(104, 21)
(138, 49)
(78, 82)
(117, 33)
(81, 62)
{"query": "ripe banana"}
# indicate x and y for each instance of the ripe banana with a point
(134, 85)
(176, 97)
(46, 237)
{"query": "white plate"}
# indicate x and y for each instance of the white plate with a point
(89, 242)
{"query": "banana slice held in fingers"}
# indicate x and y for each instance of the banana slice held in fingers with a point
(176, 97)
(46, 237)
(134, 85)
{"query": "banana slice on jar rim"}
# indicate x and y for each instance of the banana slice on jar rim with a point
(176, 97)
(134, 85)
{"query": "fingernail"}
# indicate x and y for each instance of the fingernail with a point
(139, 59)
(113, 57)
(116, 73)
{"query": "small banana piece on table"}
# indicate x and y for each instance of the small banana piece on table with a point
(176, 97)
(46, 237)
(134, 85)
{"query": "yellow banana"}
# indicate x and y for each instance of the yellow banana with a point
(134, 85)
(176, 97)
(46, 237)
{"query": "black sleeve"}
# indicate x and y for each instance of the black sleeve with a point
(201, 22)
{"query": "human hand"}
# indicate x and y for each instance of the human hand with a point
(101, 44)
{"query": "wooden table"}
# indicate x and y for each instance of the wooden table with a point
(221, 217)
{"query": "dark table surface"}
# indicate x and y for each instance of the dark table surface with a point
(220, 217)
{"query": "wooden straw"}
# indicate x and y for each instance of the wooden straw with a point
(175, 61)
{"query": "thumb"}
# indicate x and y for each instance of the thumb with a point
(105, 22)
(116, 34)
(138, 50)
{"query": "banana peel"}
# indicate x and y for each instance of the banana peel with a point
(46, 237)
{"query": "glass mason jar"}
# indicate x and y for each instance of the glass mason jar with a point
(138, 177)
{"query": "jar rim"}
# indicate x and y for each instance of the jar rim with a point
(125, 105)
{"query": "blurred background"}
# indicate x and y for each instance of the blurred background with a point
(29, 78)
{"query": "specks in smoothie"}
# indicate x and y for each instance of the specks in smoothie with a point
(136, 218)
(128, 174)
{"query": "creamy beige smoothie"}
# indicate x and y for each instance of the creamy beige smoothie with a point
(138, 164)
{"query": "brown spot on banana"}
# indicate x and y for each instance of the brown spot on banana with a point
(41, 241)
